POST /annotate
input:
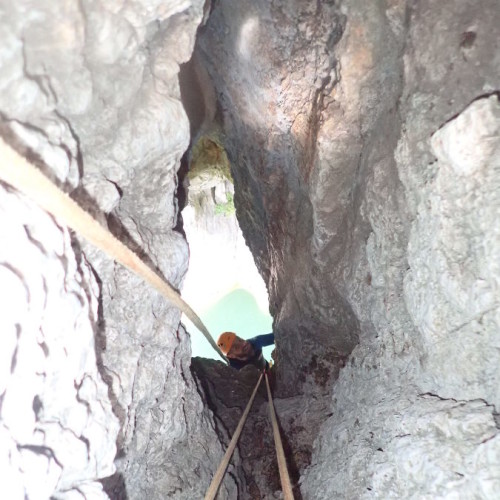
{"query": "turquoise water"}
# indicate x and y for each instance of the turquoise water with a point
(237, 312)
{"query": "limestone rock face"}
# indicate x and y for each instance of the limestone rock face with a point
(227, 392)
(364, 143)
(363, 139)
(57, 426)
(272, 64)
(93, 360)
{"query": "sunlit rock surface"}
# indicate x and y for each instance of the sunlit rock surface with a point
(364, 141)
(92, 360)
(364, 144)
(57, 427)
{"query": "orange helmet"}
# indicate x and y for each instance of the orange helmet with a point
(225, 341)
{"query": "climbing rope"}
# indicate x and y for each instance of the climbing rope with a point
(19, 173)
(219, 474)
(286, 485)
(22, 175)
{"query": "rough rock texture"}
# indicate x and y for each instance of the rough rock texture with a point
(364, 144)
(270, 86)
(91, 88)
(57, 428)
(227, 393)
(364, 138)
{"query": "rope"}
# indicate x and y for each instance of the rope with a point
(219, 474)
(19, 173)
(22, 175)
(286, 486)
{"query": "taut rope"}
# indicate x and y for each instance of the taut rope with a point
(286, 485)
(19, 173)
(219, 474)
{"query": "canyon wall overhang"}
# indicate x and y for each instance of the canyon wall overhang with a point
(364, 143)
(363, 138)
(315, 103)
(274, 69)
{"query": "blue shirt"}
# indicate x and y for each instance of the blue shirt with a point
(257, 359)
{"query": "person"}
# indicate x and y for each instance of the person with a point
(241, 352)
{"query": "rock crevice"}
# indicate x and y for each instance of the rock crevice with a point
(364, 144)
(97, 359)
(369, 210)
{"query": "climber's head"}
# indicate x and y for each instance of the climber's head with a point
(225, 341)
(234, 347)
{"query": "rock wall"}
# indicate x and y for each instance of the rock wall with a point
(57, 427)
(227, 393)
(93, 362)
(363, 139)
(271, 64)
